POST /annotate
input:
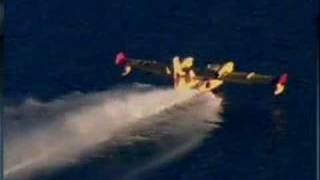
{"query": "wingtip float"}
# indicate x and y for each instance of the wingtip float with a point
(281, 84)
(186, 76)
(121, 59)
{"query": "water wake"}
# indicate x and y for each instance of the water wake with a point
(178, 131)
(44, 134)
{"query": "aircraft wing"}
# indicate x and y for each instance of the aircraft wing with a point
(147, 66)
(248, 78)
(252, 78)
(182, 80)
(203, 81)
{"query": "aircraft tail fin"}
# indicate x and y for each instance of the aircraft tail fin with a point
(177, 72)
(183, 74)
(281, 84)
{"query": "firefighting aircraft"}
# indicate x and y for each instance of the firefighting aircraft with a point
(186, 76)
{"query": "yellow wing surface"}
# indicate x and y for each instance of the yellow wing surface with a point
(186, 76)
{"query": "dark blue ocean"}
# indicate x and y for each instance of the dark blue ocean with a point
(55, 48)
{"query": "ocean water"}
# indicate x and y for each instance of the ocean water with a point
(70, 115)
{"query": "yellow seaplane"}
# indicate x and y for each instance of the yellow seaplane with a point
(186, 76)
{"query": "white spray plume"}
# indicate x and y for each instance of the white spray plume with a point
(42, 134)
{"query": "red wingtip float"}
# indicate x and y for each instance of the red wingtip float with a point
(281, 84)
(121, 59)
